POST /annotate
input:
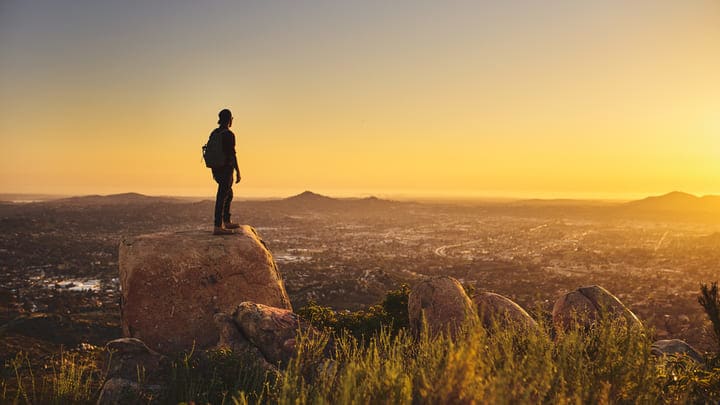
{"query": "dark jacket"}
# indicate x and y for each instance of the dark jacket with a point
(228, 148)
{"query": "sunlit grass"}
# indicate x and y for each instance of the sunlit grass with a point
(66, 378)
(608, 362)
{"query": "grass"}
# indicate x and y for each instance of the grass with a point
(69, 377)
(215, 377)
(607, 363)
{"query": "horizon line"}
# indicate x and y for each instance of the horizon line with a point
(398, 195)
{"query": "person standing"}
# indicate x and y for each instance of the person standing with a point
(223, 175)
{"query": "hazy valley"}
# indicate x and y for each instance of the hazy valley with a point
(58, 258)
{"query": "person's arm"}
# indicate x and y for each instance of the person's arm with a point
(233, 156)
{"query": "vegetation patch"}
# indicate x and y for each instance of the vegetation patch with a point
(370, 357)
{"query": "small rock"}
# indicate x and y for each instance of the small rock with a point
(120, 391)
(232, 339)
(272, 330)
(128, 355)
(587, 305)
(230, 336)
(676, 346)
(493, 307)
(441, 302)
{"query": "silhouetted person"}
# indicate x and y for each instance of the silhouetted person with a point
(223, 175)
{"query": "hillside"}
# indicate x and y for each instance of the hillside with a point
(675, 206)
(114, 199)
(310, 201)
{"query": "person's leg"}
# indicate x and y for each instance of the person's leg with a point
(228, 201)
(223, 187)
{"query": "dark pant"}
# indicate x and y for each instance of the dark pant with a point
(224, 177)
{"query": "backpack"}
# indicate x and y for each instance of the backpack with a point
(212, 151)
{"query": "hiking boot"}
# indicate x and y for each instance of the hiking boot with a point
(219, 230)
(230, 225)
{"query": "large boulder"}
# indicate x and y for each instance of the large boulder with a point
(589, 304)
(174, 282)
(441, 302)
(497, 309)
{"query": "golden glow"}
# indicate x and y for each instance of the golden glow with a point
(623, 101)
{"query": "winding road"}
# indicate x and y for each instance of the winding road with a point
(442, 250)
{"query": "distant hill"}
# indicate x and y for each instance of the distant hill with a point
(677, 206)
(671, 207)
(115, 199)
(308, 197)
(677, 201)
(307, 200)
(674, 206)
(311, 201)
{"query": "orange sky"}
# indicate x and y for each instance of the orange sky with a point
(524, 98)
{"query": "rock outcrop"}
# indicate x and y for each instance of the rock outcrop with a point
(272, 330)
(441, 302)
(589, 304)
(173, 283)
(497, 309)
(232, 339)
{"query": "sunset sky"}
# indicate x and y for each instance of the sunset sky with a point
(578, 98)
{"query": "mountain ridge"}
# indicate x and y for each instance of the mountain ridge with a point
(677, 201)
(110, 199)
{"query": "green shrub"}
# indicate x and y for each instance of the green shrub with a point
(391, 313)
(710, 301)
